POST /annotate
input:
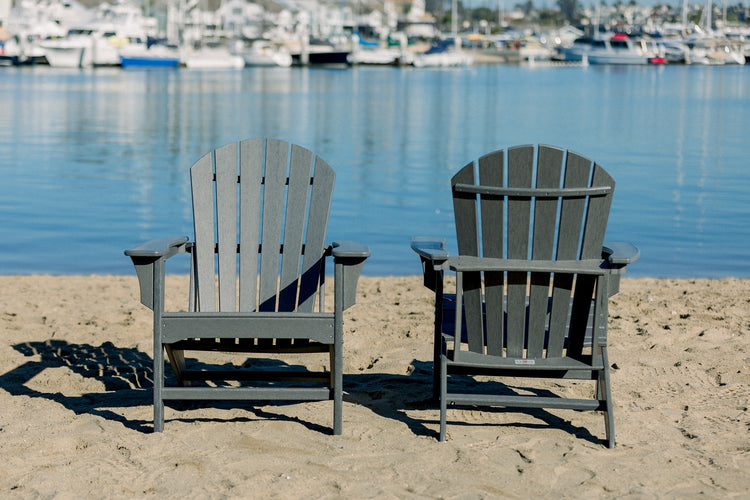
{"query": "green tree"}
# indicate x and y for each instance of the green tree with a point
(483, 13)
(526, 7)
(569, 9)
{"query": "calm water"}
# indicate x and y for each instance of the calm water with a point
(93, 162)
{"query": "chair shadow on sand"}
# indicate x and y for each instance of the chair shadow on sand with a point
(127, 377)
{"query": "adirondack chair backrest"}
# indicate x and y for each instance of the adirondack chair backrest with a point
(260, 210)
(543, 205)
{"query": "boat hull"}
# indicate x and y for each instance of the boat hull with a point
(149, 62)
(66, 55)
(337, 57)
(595, 58)
(211, 59)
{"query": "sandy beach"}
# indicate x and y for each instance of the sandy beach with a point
(75, 393)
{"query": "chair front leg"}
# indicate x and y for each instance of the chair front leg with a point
(158, 298)
(437, 335)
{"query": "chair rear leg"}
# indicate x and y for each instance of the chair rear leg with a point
(603, 388)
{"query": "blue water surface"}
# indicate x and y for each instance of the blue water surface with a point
(95, 161)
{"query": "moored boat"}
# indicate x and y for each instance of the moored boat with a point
(155, 56)
(264, 53)
(211, 58)
(91, 45)
(444, 54)
(616, 49)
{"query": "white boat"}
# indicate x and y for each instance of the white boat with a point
(10, 50)
(616, 49)
(576, 51)
(31, 21)
(533, 50)
(714, 50)
(318, 52)
(264, 53)
(373, 53)
(619, 49)
(94, 45)
(444, 54)
(98, 43)
(674, 51)
(211, 58)
(377, 56)
(67, 52)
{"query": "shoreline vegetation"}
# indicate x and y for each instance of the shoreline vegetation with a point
(75, 388)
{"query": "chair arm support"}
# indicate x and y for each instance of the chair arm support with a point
(619, 255)
(432, 253)
(145, 256)
(348, 257)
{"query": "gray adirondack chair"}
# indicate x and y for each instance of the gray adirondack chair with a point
(533, 278)
(257, 277)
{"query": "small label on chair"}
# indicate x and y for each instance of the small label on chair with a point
(525, 362)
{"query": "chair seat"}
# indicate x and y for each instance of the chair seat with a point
(449, 319)
(252, 345)
(178, 326)
(488, 362)
(525, 401)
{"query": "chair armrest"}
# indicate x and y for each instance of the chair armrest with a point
(430, 248)
(146, 255)
(163, 247)
(619, 253)
(348, 259)
(349, 250)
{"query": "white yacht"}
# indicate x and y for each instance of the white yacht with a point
(86, 46)
(264, 53)
(443, 54)
(616, 49)
(98, 43)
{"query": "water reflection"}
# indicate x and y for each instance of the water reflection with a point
(95, 161)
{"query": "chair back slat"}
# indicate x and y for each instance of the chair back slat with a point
(226, 224)
(592, 238)
(520, 174)
(599, 207)
(251, 172)
(550, 162)
(300, 171)
(252, 198)
(492, 173)
(545, 205)
(577, 174)
(201, 179)
(467, 224)
(313, 270)
(274, 186)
